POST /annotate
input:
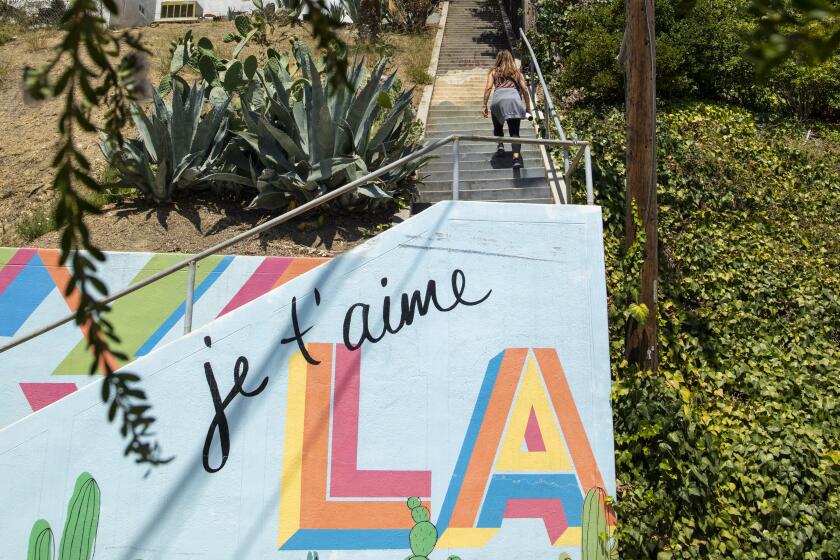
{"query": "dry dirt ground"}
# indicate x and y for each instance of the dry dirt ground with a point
(28, 135)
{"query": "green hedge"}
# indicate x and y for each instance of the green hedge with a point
(701, 54)
(733, 449)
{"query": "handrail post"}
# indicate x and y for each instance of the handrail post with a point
(587, 162)
(532, 86)
(188, 304)
(549, 104)
(456, 156)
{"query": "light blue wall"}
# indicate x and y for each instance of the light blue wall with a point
(419, 387)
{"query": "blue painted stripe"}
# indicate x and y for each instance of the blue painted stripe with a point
(23, 296)
(470, 438)
(178, 314)
(348, 539)
(564, 487)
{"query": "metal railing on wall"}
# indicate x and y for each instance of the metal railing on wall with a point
(553, 118)
(190, 263)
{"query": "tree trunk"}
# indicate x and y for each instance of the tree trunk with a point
(640, 52)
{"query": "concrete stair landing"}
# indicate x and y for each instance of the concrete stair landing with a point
(474, 34)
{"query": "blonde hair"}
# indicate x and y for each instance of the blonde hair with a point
(505, 66)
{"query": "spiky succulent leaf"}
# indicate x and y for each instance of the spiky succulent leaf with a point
(244, 41)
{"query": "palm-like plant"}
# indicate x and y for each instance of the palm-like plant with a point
(307, 138)
(177, 147)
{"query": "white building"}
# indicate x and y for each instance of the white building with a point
(132, 13)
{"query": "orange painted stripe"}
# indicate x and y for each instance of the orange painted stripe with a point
(489, 438)
(298, 267)
(567, 413)
(316, 511)
(61, 276)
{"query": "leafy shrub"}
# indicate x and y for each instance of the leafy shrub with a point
(39, 222)
(409, 15)
(702, 53)
(808, 91)
(730, 450)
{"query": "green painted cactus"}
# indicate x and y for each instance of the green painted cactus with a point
(423, 535)
(41, 545)
(595, 539)
(422, 538)
(82, 520)
(79, 535)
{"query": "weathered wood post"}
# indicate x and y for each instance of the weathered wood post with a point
(640, 56)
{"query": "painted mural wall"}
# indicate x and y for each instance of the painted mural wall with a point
(32, 294)
(441, 390)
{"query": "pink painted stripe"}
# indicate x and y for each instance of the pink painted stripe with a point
(40, 395)
(550, 510)
(345, 479)
(533, 435)
(13, 267)
(260, 282)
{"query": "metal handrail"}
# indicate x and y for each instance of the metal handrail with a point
(568, 169)
(190, 263)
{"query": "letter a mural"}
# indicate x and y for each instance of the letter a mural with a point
(525, 455)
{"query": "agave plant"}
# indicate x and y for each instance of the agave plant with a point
(353, 10)
(307, 138)
(177, 147)
(336, 13)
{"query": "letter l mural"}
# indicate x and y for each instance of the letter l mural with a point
(308, 518)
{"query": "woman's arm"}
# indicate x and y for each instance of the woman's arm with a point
(523, 88)
(488, 89)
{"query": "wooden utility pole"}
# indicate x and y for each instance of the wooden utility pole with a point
(639, 52)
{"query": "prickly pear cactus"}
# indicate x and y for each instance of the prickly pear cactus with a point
(423, 537)
(41, 543)
(82, 520)
(595, 540)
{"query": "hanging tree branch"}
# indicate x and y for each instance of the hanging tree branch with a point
(94, 68)
(90, 69)
(807, 29)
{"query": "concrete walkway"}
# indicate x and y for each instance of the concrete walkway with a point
(474, 34)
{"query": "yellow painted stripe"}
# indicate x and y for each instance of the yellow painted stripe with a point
(290, 481)
(457, 537)
(570, 537)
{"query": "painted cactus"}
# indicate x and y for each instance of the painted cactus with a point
(79, 535)
(41, 544)
(423, 535)
(595, 540)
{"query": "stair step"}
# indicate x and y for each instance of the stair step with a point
(495, 195)
(488, 174)
(471, 119)
(478, 162)
(488, 149)
(484, 184)
(487, 130)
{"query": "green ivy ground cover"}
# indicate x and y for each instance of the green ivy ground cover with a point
(733, 449)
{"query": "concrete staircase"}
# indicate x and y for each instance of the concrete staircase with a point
(474, 34)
